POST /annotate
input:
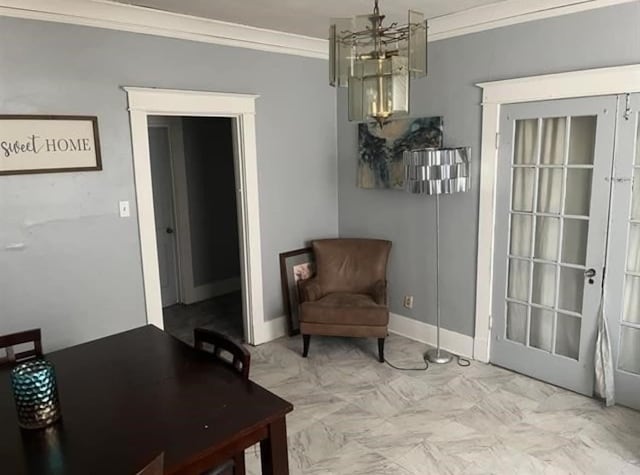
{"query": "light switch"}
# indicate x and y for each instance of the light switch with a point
(125, 211)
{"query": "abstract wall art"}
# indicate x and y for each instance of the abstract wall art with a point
(380, 149)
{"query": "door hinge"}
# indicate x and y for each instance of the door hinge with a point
(497, 140)
(490, 322)
(627, 107)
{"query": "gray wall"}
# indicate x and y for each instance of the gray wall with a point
(208, 153)
(79, 275)
(598, 38)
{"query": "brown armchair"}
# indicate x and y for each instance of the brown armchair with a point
(348, 295)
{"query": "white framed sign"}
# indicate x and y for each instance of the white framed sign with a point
(48, 144)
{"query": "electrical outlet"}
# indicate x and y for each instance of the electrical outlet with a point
(125, 211)
(408, 301)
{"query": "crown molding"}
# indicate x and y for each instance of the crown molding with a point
(117, 16)
(508, 12)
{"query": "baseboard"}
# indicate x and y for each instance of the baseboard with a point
(454, 342)
(407, 327)
(270, 330)
(214, 289)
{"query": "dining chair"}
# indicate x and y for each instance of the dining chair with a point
(240, 358)
(216, 343)
(155, 467)
(8, 342)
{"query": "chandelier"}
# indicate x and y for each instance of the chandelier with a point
(375, 63)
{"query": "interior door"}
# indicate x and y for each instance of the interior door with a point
(622, 288)
(160, 154)
(550, 237)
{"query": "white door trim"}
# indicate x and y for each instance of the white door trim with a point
(586, 83)
(241, 107)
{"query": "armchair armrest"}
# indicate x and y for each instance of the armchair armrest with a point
(379, 292)
(309, 290)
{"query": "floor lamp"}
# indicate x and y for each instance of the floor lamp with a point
(437, 171)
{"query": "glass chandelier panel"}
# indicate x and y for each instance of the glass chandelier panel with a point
(375, 63)
(379, 88)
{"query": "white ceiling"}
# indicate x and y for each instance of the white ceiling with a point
(304, 17)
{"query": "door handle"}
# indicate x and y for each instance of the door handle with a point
(169, 230)
(590, 274)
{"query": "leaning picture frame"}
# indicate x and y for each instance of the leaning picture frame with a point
(295, 266)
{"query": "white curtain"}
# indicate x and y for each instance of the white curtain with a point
(547, 234)
(547, 241)
(604, 380)
(630, 337)
(632, 285)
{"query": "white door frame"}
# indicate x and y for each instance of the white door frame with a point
(241, 107)
(586, 83)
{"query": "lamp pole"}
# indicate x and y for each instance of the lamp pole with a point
(438, 355)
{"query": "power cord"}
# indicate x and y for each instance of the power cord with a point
(426, 366)
(463, 362)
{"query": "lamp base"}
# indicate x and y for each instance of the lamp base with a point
(438, 356)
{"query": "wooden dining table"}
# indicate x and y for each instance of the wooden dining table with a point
(128, 397)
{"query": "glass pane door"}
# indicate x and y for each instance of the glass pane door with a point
(551, 219)
(623, 267)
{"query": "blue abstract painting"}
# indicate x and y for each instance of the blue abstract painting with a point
(380, 149)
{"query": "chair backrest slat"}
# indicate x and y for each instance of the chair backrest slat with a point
(7, 342)
(241, 358)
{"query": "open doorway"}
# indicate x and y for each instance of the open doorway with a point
(241, 108)
(193, 168)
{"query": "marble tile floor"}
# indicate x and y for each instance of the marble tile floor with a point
(354, 415)
(223, 313)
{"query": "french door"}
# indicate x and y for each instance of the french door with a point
(622, 283)
(552, 210)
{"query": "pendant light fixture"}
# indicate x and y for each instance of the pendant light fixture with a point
(376, 62)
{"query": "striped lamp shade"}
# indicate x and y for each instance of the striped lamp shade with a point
(436, 171)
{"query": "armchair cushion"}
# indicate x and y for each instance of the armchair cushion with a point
(309, 290)
(341, 308)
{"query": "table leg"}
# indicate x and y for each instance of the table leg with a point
(273, 450)
(238, 464)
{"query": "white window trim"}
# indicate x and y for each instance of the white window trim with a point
(586, 83)
(150, 101)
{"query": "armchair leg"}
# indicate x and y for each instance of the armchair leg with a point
(381, 350)
(306, 339)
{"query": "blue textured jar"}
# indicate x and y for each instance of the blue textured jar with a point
(35, 393)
